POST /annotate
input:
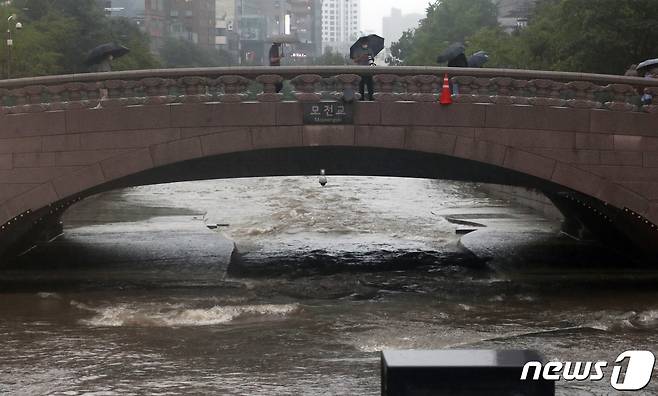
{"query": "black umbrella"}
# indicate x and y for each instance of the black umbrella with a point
(101, 52)
(450, 53)
(478, 59)
(375, 45)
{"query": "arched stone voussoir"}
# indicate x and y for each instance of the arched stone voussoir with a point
(575, 149)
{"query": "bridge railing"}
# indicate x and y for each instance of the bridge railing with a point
(308, 84)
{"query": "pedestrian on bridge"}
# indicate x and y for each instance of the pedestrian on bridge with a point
(363, 53)
(100, 60)
(648, 68)
(275, 60)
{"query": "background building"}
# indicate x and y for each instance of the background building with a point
(514, 14)
(258, 20)
(242, 28)
(395, 24)
(306, 25)
(124, 8)
(193, 21)
(341, 24)
(226, 32)
(131, 9)
(261, 20)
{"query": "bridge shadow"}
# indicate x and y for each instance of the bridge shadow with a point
(141, 254)
(584, 216)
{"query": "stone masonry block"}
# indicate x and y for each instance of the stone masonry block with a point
(380, 136)
(328, 135)
(127, 164)
(77, 182)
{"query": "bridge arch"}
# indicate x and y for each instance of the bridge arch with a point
(596, 159)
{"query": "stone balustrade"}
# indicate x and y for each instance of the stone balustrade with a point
(309, 84)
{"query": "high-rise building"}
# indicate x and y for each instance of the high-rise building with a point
(131, 9)
(341, 24)
(193, 21)
(397, 23)
(226, 33)
(259, 21)
(124, 8)
(306, 26)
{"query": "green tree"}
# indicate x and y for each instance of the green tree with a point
(58, 34)
(602, 36)
(36, 46)
(126, 32)
(87, 22)
(331, 58)
(404, 47)
(181, 53)
(447, 21)
(591, 36)
(505, 50)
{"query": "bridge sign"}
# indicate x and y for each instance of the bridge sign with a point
(336, 113)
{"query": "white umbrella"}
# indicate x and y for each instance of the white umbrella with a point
(647, 64)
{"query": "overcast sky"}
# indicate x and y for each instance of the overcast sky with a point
(372, 11)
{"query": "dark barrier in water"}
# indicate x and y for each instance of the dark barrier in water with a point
(460, 373)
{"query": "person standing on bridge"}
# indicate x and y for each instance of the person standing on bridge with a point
(275, 60)
(363, 53)
(648, 68)
(100, 60)
(365, 58)
(105, 66)
(648, 97)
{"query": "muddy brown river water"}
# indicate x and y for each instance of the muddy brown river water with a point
(140, 297)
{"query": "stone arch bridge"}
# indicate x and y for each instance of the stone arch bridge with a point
(581, 139)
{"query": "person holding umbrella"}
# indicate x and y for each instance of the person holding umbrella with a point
(648, 68)
(276, 52)
(275, 60)
(478, 59)
(100, 60)
(105, 65)
(454, 55)
(363, 53)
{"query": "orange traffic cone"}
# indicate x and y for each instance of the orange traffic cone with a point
(446, 95)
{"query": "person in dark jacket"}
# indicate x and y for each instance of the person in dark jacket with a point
(275, 60)
(365, 58)
(647, 97)
(458, 61)
(104, 66)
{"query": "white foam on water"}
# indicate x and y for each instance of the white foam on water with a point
(150, 316)
(645, 319)
(257, 231)
(46, 295)
(612, 321)
(81, 306)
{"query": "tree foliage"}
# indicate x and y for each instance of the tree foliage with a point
(604, 36)
(180, 53)
(58, 34)
(593, 36)
(331, 58)
(447, 21)
(505, 50)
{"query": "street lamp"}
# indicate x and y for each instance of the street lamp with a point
(10, 41)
